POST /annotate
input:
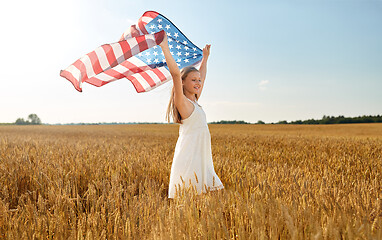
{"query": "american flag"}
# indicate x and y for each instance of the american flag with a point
(136, 56)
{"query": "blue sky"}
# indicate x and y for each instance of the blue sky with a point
(270, 60)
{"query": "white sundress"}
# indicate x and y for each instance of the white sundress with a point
(193, 156)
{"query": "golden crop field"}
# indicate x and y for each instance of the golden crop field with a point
(111, 182)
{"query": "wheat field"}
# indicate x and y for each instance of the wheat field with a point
(111, 182)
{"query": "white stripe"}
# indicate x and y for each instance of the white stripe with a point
(136, 61)
(133, 44)
(104, 77)
(146, 19)
(122, 69)
(102, 58)
(165, 72)
(142, 81)
(139, 29)
(75, 72)
(88, 66)
(118, 53)
(153, 76)
(150, 39)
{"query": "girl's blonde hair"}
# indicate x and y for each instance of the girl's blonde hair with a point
(172, 111)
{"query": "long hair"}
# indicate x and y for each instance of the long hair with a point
(172, 111)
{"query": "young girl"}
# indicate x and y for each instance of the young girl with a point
(192, 163)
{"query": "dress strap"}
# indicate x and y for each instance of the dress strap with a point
(190, 100)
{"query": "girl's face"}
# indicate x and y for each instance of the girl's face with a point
(192, 83)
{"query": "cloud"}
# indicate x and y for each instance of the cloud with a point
(262, 85)
(130, 21)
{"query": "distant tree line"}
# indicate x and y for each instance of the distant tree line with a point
(230, 122)
(338, 120)
(33, 119)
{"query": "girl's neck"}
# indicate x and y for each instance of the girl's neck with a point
(191, 96)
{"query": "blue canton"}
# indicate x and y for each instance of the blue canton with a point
(184, 52)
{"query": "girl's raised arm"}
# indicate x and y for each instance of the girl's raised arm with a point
(172, 66)
(203, 67)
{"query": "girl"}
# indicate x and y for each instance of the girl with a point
(192, 163)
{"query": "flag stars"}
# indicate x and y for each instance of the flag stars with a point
(178, 47)
(179, 60)
(168, 34)
(167, 27)
(187, 53)
(147, 53)
(186, 60)
(160, 26)
(155, 53)
(170, 40)
(149, 60)
(194, 49)
(152, 27)
(176, 35)
(159, 20)
(186, 48)
(170, 46)
(140, 54)
(185, 42)
(179, 53)
(156, 60)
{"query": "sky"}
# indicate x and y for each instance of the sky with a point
(271, 60)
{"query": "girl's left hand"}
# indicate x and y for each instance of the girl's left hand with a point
(206, 50)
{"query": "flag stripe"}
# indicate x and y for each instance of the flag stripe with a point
(125, 49)
(111, 57)
(95, 62)
(142, 43)
(139, 82)
(153, 77)
(159, 73)
(88, 66)
(147, 78)
(102, 58)
(117, 49)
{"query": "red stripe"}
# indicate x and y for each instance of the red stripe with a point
(115, 74)
(148, 79)
(73, 80)
(81, 66)
(151, 14)
(136, 84)
(142, 43)
(158, 72)
(141, 26)
(132, 67)
(134, 31)
(96, 82)
(110, 55)
(125, 49)
(95, 62)
(110, 72)
(159, 36)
